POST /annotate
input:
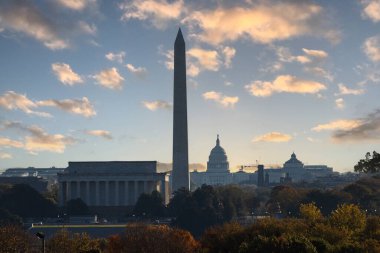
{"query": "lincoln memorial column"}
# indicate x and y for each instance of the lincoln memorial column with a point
(61, 194)
(78, 189)
(117, 193)
(97, 194)
(68, 189)
(107, 193)
(146, 190)
(126, 192)
(88, 199)
(136, 192)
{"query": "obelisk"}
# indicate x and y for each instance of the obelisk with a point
(180, 177)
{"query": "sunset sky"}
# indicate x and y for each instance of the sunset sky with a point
(89, 80)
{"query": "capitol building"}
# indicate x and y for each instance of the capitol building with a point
(218, 171)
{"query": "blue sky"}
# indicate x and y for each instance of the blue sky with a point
(93, 80)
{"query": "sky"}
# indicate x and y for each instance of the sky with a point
(92, 80)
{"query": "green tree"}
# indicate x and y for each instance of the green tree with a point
(24, 201)
(76, 207)
(370, 164)
(151, 205)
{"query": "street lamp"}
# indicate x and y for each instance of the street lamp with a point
(42, 237)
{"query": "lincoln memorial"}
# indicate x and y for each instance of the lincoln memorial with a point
(109, 184)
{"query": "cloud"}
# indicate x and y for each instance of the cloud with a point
(76, 5)
(367, 130)
(158, 104)
(371, 10)
(273, 137)
(316, 53)
(101, 133)
(9, 143)
(343, 90)
(110, 78)
(138, 71)
(24, 17)
(371, 48)
(14, 101)
(262, 22)
(284, 83)
(341, 124)
(87, 28)
(158, 12)
(229, 53)
(118, 57)
(225, 101)
(81, 107)
(65, 74)
(39, 140)
(339, 103)
(4, 155)
(207, 59)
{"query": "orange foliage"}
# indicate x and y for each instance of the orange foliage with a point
(139, 238)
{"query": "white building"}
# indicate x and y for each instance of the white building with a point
(218, 172)
(108, 184)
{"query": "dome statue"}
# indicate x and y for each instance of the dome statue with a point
(293, 163)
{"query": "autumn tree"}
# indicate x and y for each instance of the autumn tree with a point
(65, 242)
(310, 212)
(370, 164)
(140, 238)
(14, 239)
(348, 216)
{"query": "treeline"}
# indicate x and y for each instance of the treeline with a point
(346, 229)
(208, 206)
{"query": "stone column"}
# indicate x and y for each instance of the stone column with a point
(136, 194)
(146, 190)
(163, 189)
(97, 193)
(117, 193)
(68, 190)
(61, 194)
(78, 189)
(88, 199)
(126, 192)
(107, 193)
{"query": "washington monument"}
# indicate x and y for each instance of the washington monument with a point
(180, 172)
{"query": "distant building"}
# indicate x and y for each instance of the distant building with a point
(218, 172)
(45, 173)
(294, 170)
(37, 183)
(111, 184)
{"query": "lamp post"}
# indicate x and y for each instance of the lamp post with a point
(42, 237)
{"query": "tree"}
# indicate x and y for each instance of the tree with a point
(14, 239)
(6, 218)
(370, 164)
(310, 212)
(76, 207)
(66, 242)
(140, 238)
(24, 201)
(350, 217)
(151, 205)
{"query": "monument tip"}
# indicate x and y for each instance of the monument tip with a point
(179, 37)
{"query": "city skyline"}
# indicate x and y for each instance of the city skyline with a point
(92, 80)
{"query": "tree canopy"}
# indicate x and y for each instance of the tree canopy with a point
(370, 164)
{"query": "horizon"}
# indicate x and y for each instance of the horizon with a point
(93, 81)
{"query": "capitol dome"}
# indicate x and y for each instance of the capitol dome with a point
(217, 161)
(293, 162)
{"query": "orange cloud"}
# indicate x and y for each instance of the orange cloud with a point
(273, 137)
(110, 78)
(225, 101)
(65, 74)
(263, 22)
(284, 83)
